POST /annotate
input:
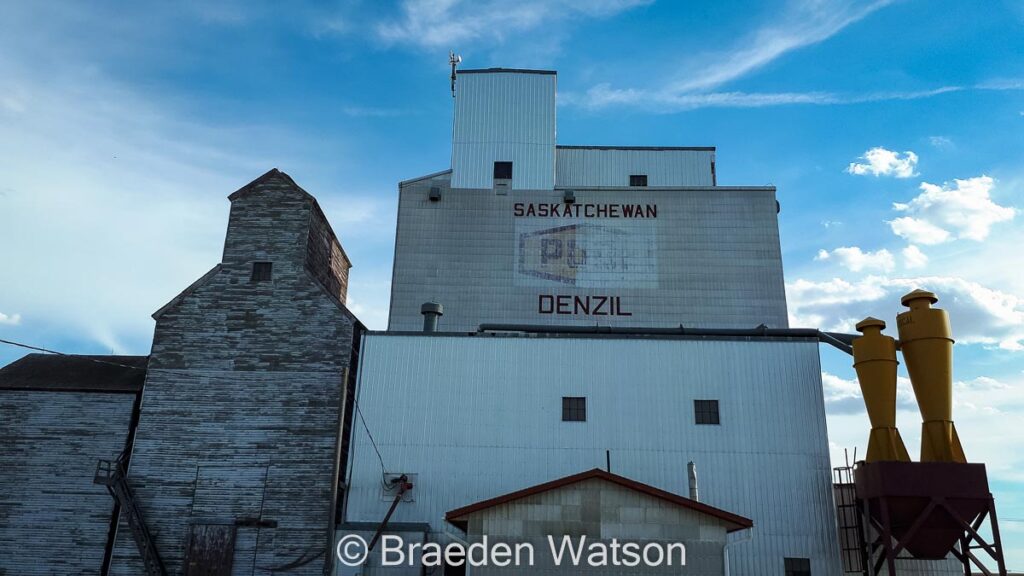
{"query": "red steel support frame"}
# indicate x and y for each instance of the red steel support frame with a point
(890, 548)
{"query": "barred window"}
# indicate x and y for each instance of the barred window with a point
(261, 271)
(706, 411)
(574, 409)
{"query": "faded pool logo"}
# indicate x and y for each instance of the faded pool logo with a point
(586, 255)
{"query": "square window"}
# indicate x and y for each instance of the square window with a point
(798, 567)
(638, 180)
(574, 409)
(706, 411)
(261, 271)
(502, 170)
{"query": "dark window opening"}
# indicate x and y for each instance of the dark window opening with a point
(638, 180)
(261, 271)
(798, 567)
(574, 409)
(502, 170)
(706, 411)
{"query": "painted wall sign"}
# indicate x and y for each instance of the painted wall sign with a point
(561, 210)
(586, 254)
(567, 304)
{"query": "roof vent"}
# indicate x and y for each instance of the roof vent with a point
(431, 312)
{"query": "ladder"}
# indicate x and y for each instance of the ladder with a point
(848, 514)
(114, 477)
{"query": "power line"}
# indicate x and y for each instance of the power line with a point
(48, 351)
(383, 468)
(362, 419)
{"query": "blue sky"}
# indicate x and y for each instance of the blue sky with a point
(894, 132)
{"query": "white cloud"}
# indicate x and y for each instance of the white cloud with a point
(913, 257)
(449, 23)
(964, 208)
(975, 400)
(917, 230)
(853, 258)
(882, 162)
(979, 315)
(941, 142)
(843, 396)
(12, 320)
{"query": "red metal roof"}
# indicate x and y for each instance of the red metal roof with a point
(736, 521)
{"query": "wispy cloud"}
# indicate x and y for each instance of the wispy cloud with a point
(449, 23)
(660, 100)
(804, 23)
(10, 320)
(373, 112)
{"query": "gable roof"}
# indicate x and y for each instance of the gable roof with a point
(734, 521)
(272, 174)
(79, 373)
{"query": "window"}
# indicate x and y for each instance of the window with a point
(574, 409)
(638, 180)
(798, 567)
(705, 411)
(261, 271)
(502, 170)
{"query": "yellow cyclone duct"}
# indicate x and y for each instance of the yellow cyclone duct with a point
(927, 345)
(874, 358)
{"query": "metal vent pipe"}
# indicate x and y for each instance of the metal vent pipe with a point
(431, 312)
(691, 472)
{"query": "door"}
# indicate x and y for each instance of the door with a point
(211, 550)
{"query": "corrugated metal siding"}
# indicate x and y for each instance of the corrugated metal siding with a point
(716, 258)
(612, 167)
(504, 117)
(53, 519)
(479, 417)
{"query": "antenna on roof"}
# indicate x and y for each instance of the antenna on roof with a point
(453, 59)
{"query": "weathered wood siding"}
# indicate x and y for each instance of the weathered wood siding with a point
(245, 395)
(53, 519)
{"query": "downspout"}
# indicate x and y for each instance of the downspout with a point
(747, 536)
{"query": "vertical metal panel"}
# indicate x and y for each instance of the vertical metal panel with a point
(477, 417)
(504, 116)
(711, 257)
(584, 166)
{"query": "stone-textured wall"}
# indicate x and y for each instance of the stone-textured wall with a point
(244, 401)
(601, 511)
(53, 519)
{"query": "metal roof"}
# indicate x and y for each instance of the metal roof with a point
(735, 521)
(75, 373)
(651, 148)
(505, 70)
